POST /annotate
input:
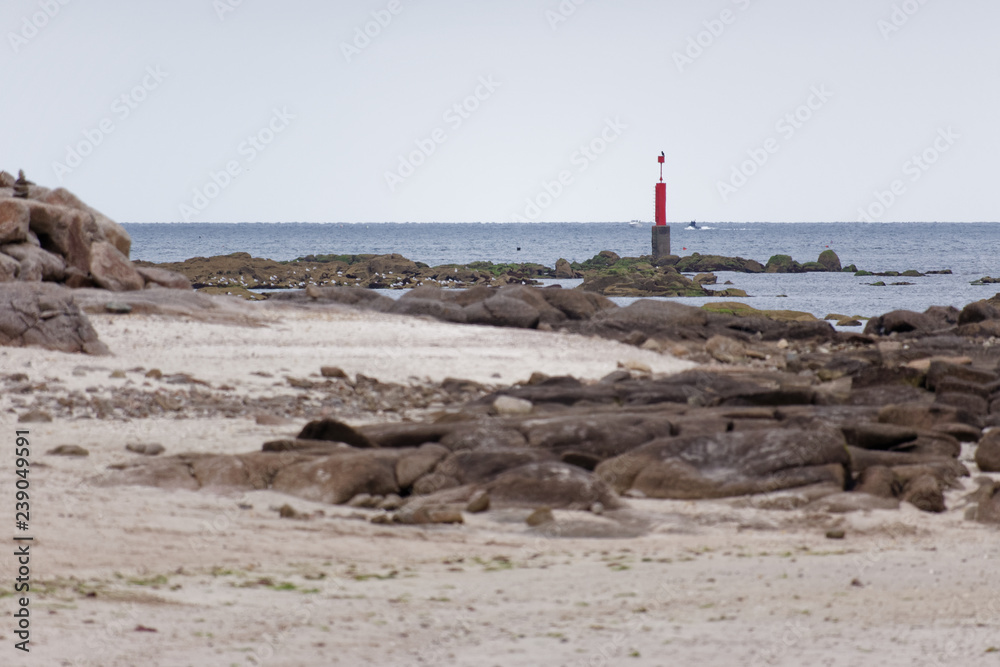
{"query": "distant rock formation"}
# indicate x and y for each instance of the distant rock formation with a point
(50, 235)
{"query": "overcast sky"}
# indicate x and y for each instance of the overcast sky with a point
(535, 110)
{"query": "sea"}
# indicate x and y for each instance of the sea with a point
(970, 250)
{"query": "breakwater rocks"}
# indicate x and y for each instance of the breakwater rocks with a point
(52, 236)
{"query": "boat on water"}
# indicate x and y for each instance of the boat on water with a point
(693, 225)
(635, 223)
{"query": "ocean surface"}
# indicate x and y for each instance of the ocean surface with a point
(969, 250)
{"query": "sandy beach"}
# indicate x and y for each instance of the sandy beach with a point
(143, 576)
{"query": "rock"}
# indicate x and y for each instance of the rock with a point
(782, 264)
(878, 481)
(117, 308)
(332, 372)
(66, 232)
(503, 311)
(364, 299)
(429, 514)
(68, 450)
(922, 415)
(10, 268)
(332, 430)
(654, 319)
(978, 311)
(169, 473)
(483, 436)
(925, 493)
(729, 464)
(421, 462)
(601, 435)
(390, 502)
(698, 263)
(398, 435)
(477, 467)
(164, 278)
(45, 315)
(111, 269)
(111, 230)
(835, 534)
(900, 321)
(286, 511)
(988, 452)
(842, 503)
(869, 435)
(151, 449)
(551, 484)
(439, 310)
(564, 271)
(508, 405)
(577, 304)
(725, 349)
(15, 217)
(36, 264)
(364, 501)
(829, 260)
(987, 503)
(706, 279)
(540, 516)
(337, 479)
(480, 502)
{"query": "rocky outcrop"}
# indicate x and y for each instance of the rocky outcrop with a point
(45, 315)
(52, 236)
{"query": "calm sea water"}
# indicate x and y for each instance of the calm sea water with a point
(970, 250)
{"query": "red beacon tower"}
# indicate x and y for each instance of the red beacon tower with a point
(661, 232)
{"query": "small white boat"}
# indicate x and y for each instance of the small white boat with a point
(635, 223)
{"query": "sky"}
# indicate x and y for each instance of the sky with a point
(520, 110)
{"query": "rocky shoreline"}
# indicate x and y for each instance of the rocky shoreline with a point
(783, 403)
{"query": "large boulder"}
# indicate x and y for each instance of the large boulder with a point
(112, 231)
(35, 263)
(66, 232)
(338, 478)
(653, 319)
(577, 304)
(15, 216)
(503, 311)
(829, 260)
(729, 464)
(901, 321)
(164, 278)
(783, 264)
(550, 484)
(564, 271)
(988, 452)
(110, 269)
(45, 315)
